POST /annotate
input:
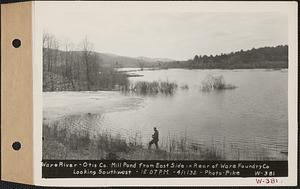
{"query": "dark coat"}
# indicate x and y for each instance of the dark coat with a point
(155, 135)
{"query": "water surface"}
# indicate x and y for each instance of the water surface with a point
(249, 122)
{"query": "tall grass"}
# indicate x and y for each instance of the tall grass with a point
(62, 142)
(152, 88)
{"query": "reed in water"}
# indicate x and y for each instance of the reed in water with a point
(151, 88)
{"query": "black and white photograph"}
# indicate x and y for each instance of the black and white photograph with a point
(165, 89)
(145, 84)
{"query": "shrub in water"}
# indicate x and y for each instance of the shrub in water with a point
(211, 82)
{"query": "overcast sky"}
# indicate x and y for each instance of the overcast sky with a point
(161, 31)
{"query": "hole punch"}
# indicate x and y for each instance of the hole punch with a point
(16, 43)
(16, 146)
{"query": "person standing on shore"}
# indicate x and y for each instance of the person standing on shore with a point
(154, 139)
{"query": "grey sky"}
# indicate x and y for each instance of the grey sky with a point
(163, 32)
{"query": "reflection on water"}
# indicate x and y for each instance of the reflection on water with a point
(247, 123)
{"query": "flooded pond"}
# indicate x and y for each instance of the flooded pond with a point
(249, 122)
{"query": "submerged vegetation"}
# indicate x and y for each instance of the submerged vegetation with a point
(209, 83)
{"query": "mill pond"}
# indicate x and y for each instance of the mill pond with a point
(246, 122)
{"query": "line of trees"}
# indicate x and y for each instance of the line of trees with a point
(67, 67)
(265, 57)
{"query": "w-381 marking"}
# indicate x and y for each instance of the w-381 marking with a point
(267, 180)
(265, 173)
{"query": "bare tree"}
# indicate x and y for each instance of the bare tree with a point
(68, 64)
(67, 69)
(50, 55)
(87, 59)
(50, 44)
(71, 65)
(55, 55)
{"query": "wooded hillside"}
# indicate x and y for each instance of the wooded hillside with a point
(265, 57)
(71, 70)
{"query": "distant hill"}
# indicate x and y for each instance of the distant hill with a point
(265, 57)
(123, 61)
(147, 59)
(113, 60)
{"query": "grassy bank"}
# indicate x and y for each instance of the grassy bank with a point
(106, 146)
(74, 138)
(66, 139)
